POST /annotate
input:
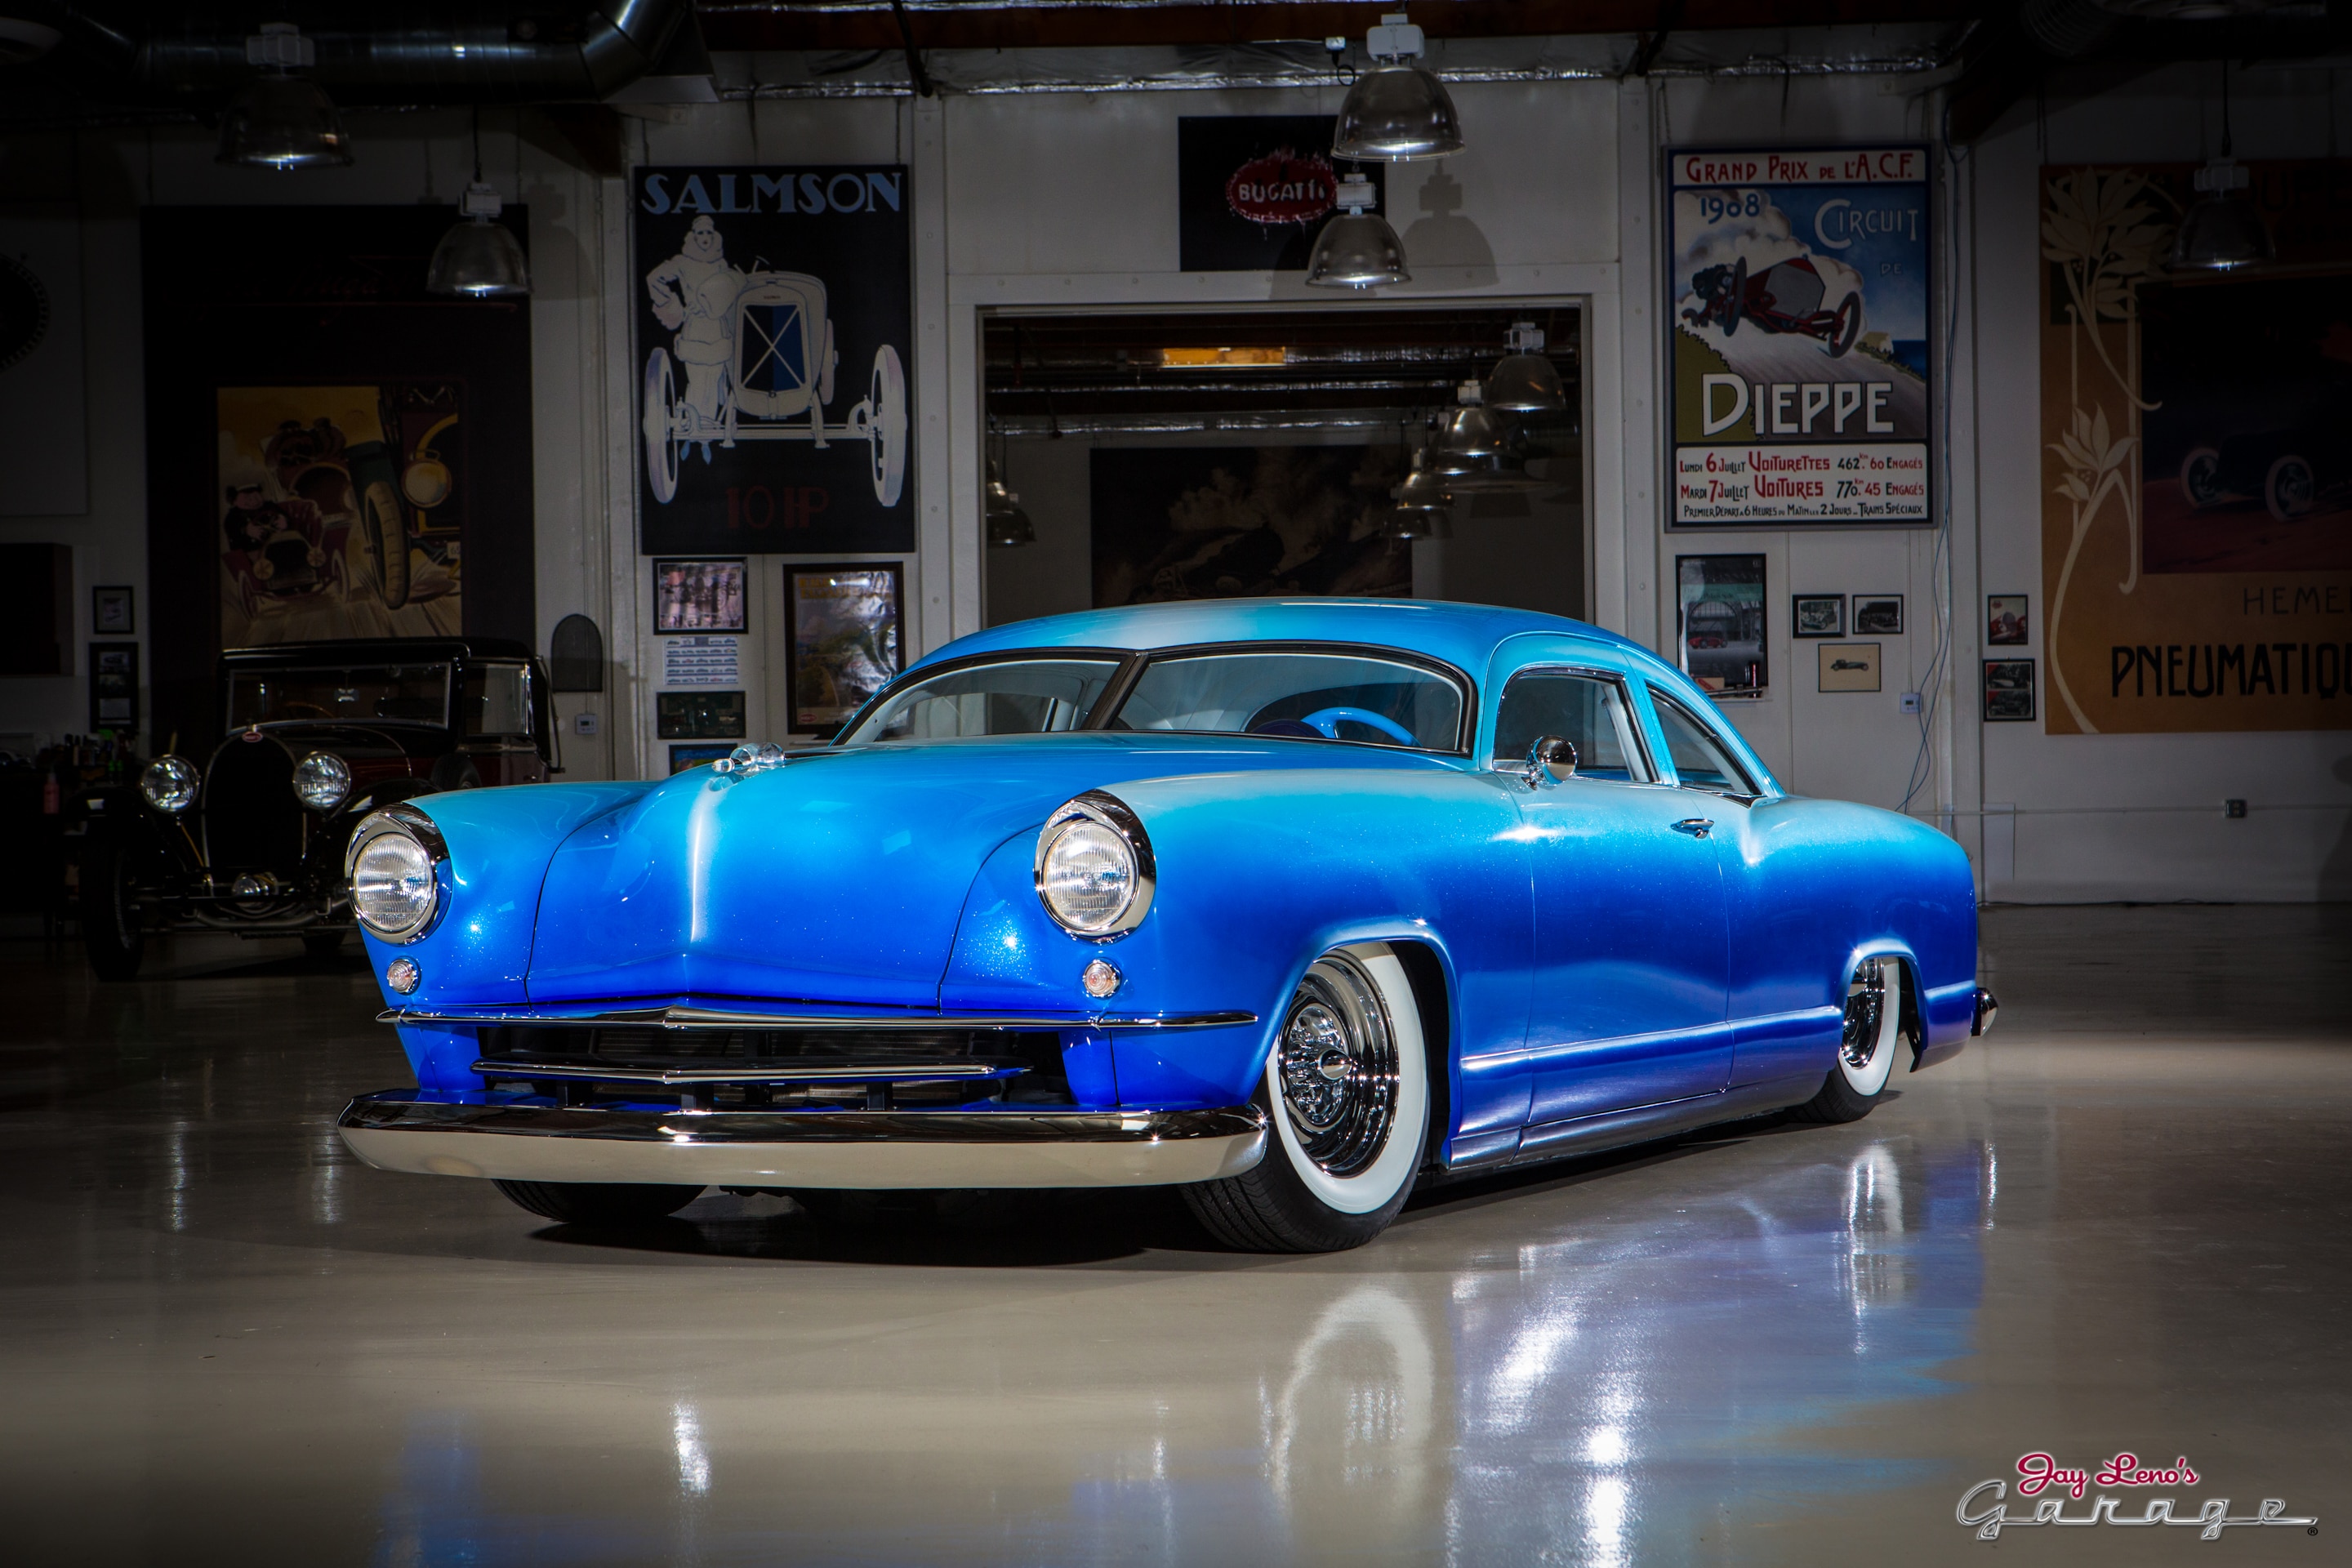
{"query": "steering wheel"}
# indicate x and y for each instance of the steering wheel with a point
(1326, 724)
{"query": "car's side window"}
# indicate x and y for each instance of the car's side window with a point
(1588, 710)
(1701, 761)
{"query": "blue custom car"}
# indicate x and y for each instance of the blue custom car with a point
(1291, 904)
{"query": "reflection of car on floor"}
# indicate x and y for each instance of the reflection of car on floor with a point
(1290, 905)
(1785, 296)
(781, 369)
(318, 735)
(2286, 470)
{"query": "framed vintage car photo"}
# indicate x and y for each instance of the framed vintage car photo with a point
(2008, 690)
(1848, 666)
(1878, 614)
(1817, 615)
(699, 715)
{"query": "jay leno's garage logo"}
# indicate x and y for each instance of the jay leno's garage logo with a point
(1984, 1509)
(1283, 188)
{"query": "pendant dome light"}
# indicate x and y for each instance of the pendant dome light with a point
(1356, 248)
(1425, 488)
(1008, 527)
(1525, 381)
(282, 120)
(479, 258)
(1397, 110)
(1472, 442)
(2221, 232)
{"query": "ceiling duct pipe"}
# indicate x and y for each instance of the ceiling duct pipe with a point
(530, 53)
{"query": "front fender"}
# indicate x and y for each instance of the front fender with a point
(500, 841)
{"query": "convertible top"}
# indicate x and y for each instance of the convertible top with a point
(1463, 636)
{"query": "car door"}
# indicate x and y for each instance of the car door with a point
(1630, 943)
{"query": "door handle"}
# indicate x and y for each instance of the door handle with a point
(1696, 827)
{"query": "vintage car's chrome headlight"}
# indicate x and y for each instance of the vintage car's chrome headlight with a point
(1094, 868)
(321, 781)
(394, 865)
(170, 785)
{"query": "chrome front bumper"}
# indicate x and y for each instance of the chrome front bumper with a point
(402, 1130)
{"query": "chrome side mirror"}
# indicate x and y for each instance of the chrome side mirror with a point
(1551, 759)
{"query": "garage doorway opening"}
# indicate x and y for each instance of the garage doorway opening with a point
(1179, 455)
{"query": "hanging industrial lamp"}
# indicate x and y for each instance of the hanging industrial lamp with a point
(1397, 110)
(282, 120)
(1008, 527)
(1472, 441)
(1425, 488)
(2222, 231)
(1356, 248)
(478, 258)
(1525, 380)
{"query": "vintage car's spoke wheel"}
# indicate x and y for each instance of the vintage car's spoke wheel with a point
(112, 932)
(886, 425)
(2290, 488)
(661, 450)
(1845, 326)
(2200, 478)
(388, 537)
(612, 1204)
(1877, 1027)
(1346, 1091)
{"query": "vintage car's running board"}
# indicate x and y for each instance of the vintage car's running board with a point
(714, 1018)
(509, 1068)
(409, 1129)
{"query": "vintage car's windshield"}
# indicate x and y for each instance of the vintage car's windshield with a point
(1327, 696)
(1027, 695)
(379, 693)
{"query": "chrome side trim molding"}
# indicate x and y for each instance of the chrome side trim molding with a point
(509, 1070)
(1987, 1010)
(403, 1130)
(715, 1018)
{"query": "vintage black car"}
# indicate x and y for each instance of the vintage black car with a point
(317, 735)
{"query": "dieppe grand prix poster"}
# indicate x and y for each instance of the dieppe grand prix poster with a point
(774, 319)
(2196, 457)
(1798, 378)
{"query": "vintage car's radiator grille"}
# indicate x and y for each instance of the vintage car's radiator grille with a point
(949, 1065)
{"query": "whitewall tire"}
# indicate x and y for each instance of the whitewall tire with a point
(1877, 1027)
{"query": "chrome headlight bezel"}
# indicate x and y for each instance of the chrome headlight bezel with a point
(413, 825)
(1109, 812)
(322, 781)
(169, 785)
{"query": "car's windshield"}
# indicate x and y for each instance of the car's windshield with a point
(1023, 696)
(378, 693)
(1307, 695)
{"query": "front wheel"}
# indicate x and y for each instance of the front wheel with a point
(611, 1205)
(2290, 488)
(111, 929)
(1877, 1023)
(1346, 1094)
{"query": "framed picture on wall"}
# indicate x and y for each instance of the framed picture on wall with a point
(115, 686)
(1848, 666)
(1878, 614)
(109, 612)
(697, 597)
(699, 716)
(694, 756)
(1817, 615)
(2005, 623)
(843, 639)
(1719, 622)
(2008, 690)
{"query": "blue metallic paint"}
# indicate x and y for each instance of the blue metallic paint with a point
(1601, 968)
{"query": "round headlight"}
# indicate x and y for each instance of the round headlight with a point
(321, 781)
(170, 785)
(394, 889)
(1093, 867)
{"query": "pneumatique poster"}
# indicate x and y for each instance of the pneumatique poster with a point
(2196, 463)
(1797, 382)
(774, 327)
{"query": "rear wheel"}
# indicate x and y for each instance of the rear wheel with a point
(2200, 478)
(610, 1205)
(387, 535)
(2290, 488)
(1877, 1023)
(111, 929)
(1346, 1093)
(1845, 326)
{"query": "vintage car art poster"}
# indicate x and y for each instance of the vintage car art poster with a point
(774, 328)
(1221, 522)
(340, 512)
(843, 639)
(1253, 190)
(1797, 364)
(2196, 459)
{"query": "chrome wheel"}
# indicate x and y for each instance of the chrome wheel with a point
(1338, 1068)
(1873, 1023)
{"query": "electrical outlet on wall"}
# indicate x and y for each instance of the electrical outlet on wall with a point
(2233, 808)
(1911, 703)
(584, 724)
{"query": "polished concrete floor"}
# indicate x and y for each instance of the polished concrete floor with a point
(2119, 1224)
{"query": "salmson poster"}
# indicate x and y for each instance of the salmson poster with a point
(2196, 459)
(774, 319)
(1798, 370)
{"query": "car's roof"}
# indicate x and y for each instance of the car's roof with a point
(1463, 636)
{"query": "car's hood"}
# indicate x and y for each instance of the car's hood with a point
(840, 877)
